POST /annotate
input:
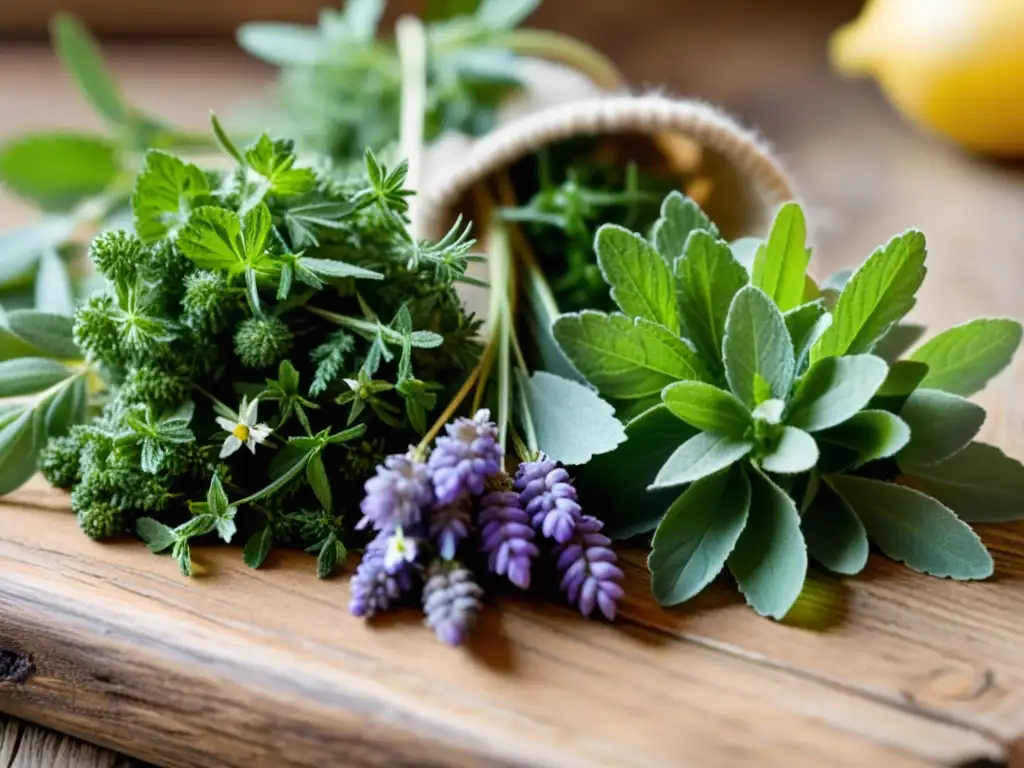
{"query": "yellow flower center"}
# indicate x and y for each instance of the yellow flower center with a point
(241, 431)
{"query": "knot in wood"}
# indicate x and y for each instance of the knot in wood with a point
(14, 667)
(951, 682)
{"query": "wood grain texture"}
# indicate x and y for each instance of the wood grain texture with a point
(265, 668)
(29, 746)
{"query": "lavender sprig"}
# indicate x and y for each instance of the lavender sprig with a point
(374, 589)
(590, 576)
(463, 459)
(549, 497)
(449, 525)
(397, 494)
(506, 537)
(451, 601)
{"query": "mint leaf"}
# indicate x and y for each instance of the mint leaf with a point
(164, 195)
(707, 408)
(877, 296)
(697, 534)
(872, 435)
(897, 341)
(80, 54)
(794, 452)
(780, 265)
(769, 562)
(28, 375)
(980, 483)
(57, 171)
(834, 389)
(53, 335)
(157, 536)
(806, 324)
(940, 424)
(572, 422)
(625, 358)
(698, 457)
(616, 482)
(258, 547)
(834, 534)
(963, 359)
(707, 279)
(915, 529)
(680, 216)
(757, 344)
(641, 283)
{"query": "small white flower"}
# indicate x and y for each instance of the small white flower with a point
(400, 551)
(245, 431)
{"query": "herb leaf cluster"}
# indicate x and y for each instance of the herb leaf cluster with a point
(777, 422)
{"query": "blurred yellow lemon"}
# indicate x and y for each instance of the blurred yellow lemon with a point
(954, 66)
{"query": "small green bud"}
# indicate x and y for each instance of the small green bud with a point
(262, 341)
(117, 255)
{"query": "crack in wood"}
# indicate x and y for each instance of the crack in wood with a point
(15, 667)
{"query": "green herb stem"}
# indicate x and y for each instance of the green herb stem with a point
(411, 39)
(566, 50)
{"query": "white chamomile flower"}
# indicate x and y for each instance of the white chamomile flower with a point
(400, 551)
(245, 431)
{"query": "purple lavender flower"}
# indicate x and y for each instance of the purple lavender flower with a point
(451, 601)
(449, 524)
(464, 458)
(590, 575)
(373, 588)
(397, 494)
(506, 537)
(549, 497)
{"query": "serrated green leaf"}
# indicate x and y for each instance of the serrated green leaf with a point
(21, 439)
(680, 216)
(165, 193)
(707, 408)
(640, 280)
(700, 456)
(835, 536)
(870, 434)
(258, 547)
(277, 167)
(897, 340)
(81, 56)
(623, 358)
(757, 344)
(316, 474)
(915, 529)
(877, 296)
(332, 268)
(834, 389)
(697, 534)
(769, 561)
(57, 171)
(707, 279)
(964, 358)
(157, 536)
(28, 375)
(216, 498)
(53, 285)
(50, 334)
(182, 552)
(981, 484)
(794, 452)
(806, 324)
(213, 240)
(940, 424)
(616, 482)
(572, 423)
(197, 526)
(780, 265)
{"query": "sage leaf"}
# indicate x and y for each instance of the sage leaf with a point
(757, 346)
(53, 285)
(697, 534)
(157, 536)
(700, 456)
(258, 547)
(707, 408)
(871, 434)
(915, 529)
(794, 452)
(940, 424)
(835, 536)
(707, 279)
(903, 378)
(50, 334)
(769, 561)
(316, 474)
(28, 375)
(165, 193)
(616, 482)
(981, 484)
(834, 389)
(283, 45)
(641, 283)
(20, 441)
(80, 54)
(964, 358)
(806, 324)
(897, 340)
(625, 358)
(21, 247)
(66, 407)
(572, 423)
(780, 265)
(680, 217)
(57, 171)
(876, 297)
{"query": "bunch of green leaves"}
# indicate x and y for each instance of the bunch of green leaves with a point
(570, 193)
(776, 420)
(262, 297)
(471, 69)
(76, 179)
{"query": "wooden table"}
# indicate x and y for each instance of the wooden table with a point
(265, 668)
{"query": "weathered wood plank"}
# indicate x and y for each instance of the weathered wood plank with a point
(28, 746)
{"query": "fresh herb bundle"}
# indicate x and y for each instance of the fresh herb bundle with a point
(269, 334)
(777, 419)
